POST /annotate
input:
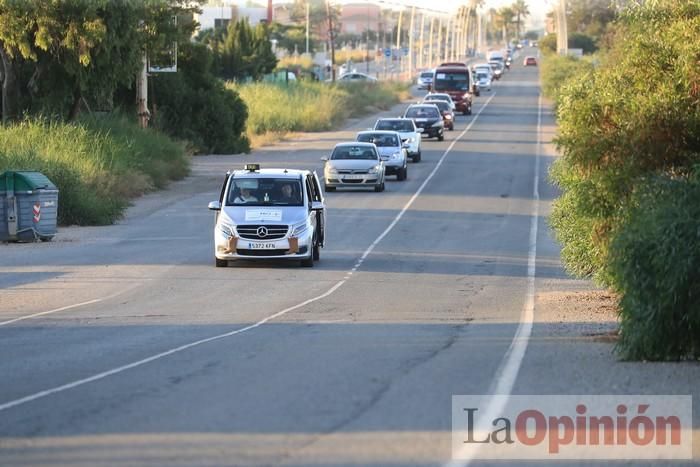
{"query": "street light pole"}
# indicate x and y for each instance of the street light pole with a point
(410, 43)
(562, 31)
(367, 54)
(308, 7)
(330, 36)
(422, 46)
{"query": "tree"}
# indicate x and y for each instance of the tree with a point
(521, 11)
(246, 51)
(504, 18)
(84, 48)
(290, 37)
(590, 17)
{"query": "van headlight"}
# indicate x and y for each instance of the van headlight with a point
(300, 228)
(395, 156)
(228, 230)
(331, 170)
(375, 169)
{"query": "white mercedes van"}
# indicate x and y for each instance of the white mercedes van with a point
(269, 214)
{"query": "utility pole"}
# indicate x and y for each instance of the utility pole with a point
(438, 44)
(562, 31)
(367, 52)
(430, 42)
(465, 31)
(455, 23)
(308, 8)
(331, 38)
(410, 42)
(142, 94)
(422, 44)
(446, 55)
(398, 43)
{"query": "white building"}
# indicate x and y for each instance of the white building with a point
(221, 15)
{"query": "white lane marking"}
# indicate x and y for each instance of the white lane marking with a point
(513, 359)
(425, 182)
(63, 308)
(120, 369)
(105, 374)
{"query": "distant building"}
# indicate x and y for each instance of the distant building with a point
(215, 16)
(356, 18)
(550, 25)
(282, 14)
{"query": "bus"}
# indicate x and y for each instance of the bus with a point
(455, 79)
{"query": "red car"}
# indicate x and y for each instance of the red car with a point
(530, 61)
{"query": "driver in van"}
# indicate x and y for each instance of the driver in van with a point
(245, 197)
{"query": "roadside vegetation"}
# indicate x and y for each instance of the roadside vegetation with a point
(278, 109)
(629, 138)
(98, 164)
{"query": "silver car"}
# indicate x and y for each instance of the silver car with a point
(269, 214)
(483, 80)
(440, 96)
(410, 134)
(425, 79)
(354, 165)
(391, 150)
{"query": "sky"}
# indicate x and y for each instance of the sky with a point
(538, 8)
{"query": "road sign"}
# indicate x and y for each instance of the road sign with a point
(387, 52)
(405, 51)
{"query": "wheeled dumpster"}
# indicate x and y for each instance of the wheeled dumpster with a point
(28, 207)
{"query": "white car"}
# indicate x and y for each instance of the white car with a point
(355, 165)
(483, 67)
(269, 214)
(391, 150)
(441, 96)
(483, 80)
(356, 77)
(410, 135)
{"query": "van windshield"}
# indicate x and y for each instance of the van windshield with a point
(265, 192)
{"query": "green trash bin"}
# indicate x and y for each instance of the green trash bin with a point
(28, 207)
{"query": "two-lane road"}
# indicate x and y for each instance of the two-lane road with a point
(124, 345)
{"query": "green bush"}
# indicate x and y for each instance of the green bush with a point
(655, 262)
(557, 71)
(634, 117)
(548, 44)
(194, 105)
(582, 41)
(98, 164)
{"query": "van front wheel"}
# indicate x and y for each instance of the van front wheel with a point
(316, 251)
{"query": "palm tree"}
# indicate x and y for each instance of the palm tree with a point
(521, 11)
(504, 19)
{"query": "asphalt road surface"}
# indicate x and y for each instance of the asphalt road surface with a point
(124, 345)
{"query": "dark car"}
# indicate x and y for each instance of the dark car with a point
(429, 118)
(448, 116)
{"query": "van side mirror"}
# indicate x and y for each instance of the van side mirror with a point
(419, 130)
(215, 206)
(324, 158)
(317, 206)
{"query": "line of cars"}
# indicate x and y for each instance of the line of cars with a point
(281, 213)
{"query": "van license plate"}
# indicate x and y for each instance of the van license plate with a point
(261, 246)
(353, 177)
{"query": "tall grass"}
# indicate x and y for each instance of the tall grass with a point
(98, 164)
(308, 106)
